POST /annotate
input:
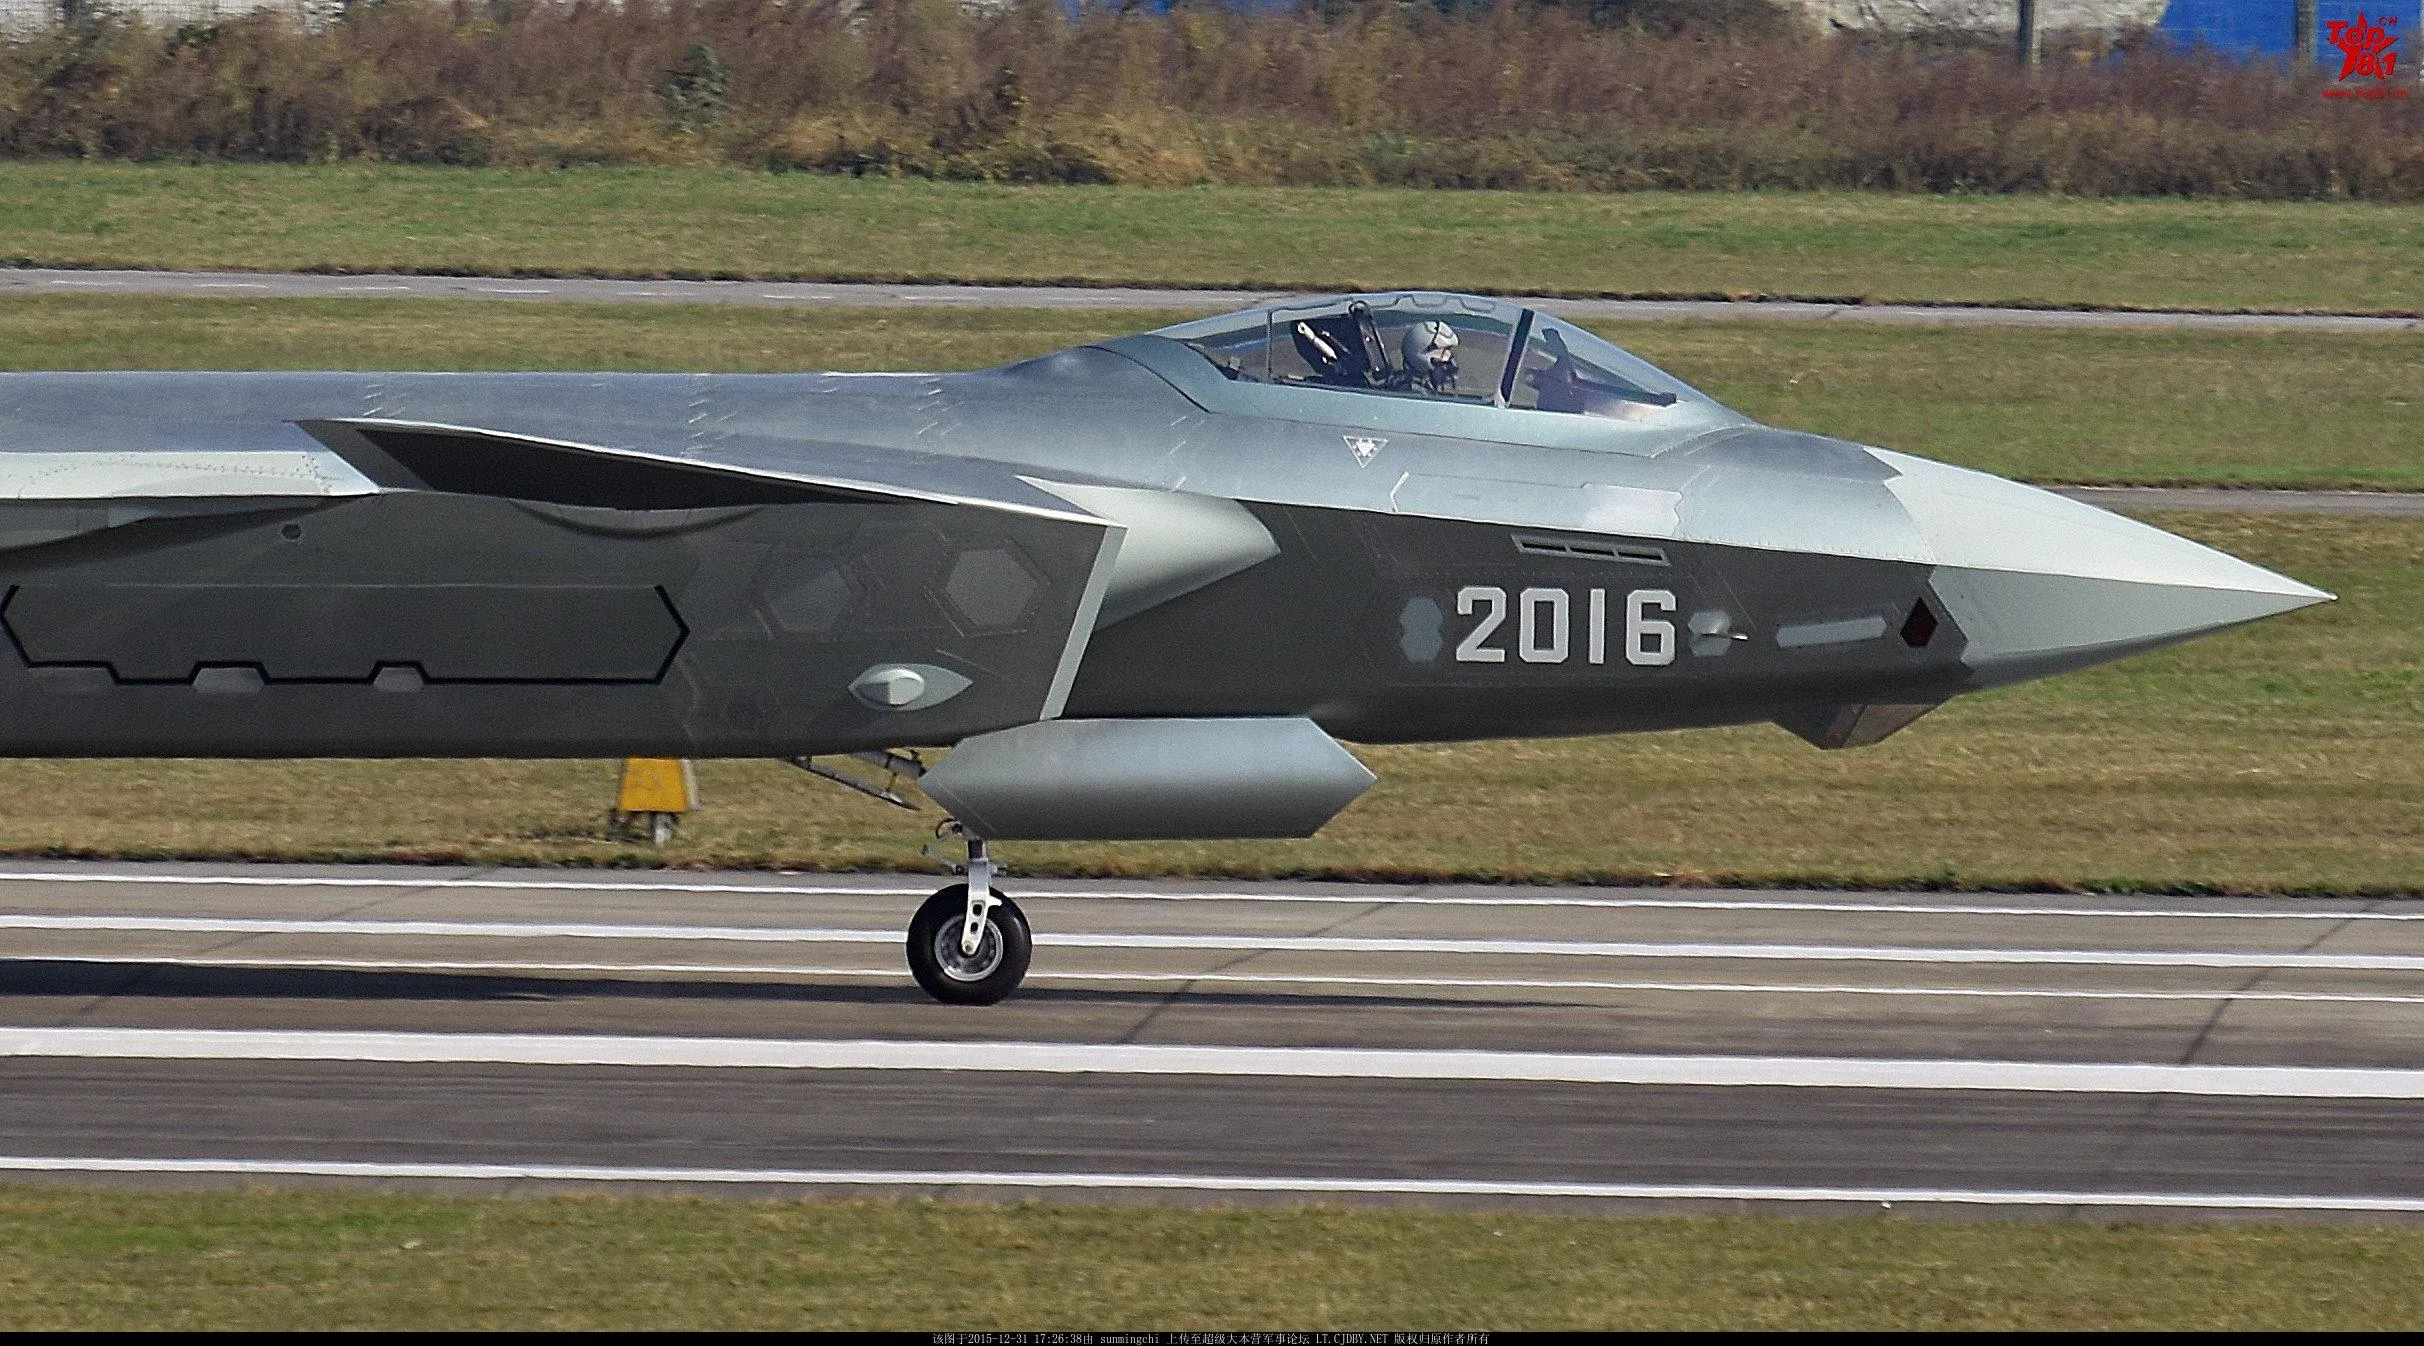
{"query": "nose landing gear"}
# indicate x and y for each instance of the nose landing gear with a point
(969, 945)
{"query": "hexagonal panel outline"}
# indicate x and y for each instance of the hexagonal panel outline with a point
(991, 588)
(805, 593)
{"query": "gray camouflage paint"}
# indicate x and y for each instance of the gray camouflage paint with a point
(237, 564)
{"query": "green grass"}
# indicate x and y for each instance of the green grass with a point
(2250, 409)
(2272, 409)
(2285, 757)
(2340, 256)
(316, 1260)
(143, 333)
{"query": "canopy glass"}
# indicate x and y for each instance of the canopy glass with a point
(1437, 347)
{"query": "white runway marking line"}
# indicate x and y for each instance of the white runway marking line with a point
(1238, 978)
(1199, 1182)
(250, 925)
(1058, 1058)
(1621, 949)
(1025, 892)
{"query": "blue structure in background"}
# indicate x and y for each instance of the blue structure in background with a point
(2251, 29)
(2262, 27)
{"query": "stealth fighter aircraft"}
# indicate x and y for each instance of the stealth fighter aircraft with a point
(1139, 588)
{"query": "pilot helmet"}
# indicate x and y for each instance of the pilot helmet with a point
(1430, 354)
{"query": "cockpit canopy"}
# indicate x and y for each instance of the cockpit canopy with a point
(1435, 347)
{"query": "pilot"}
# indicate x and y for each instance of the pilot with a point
(1429, 348)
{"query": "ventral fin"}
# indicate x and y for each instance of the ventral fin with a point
(1853, 726)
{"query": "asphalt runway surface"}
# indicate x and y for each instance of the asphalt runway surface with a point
(590, 290)
(1594, 1048)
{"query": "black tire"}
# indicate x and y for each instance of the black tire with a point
(934, 955)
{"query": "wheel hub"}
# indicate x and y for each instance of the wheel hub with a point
(968, 967)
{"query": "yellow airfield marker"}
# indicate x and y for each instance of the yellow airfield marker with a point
(655, 793)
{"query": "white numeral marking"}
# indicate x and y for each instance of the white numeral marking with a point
(1648, 640)
(1544, 626)
(1535, 645)
(1470, 650)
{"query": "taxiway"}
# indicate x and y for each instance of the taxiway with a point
(845, 294)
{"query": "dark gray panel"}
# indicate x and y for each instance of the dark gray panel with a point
(1355, 625)
(769, 614)
(347, 632)
(31, 523)
(990, 587)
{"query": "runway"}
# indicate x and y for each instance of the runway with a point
(841, 294)
(2246, 500)
(1589, 1048)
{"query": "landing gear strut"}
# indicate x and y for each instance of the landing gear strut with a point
(969, 945)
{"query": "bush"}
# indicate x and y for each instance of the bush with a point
(1604, 95)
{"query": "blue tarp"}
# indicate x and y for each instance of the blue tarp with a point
(2262, 27)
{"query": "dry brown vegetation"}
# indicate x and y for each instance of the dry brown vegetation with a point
(1511, 95)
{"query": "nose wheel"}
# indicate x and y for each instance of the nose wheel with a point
(945, 964)
(968, 944)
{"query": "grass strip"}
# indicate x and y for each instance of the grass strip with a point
(220, 1260)
(2140, 407)
(2335, 256)
(2284, 757)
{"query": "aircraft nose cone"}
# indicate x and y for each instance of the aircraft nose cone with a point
(2040, 584)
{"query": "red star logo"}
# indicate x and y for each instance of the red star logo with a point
(2365, 47)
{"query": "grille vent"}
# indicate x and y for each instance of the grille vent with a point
(1589, 549)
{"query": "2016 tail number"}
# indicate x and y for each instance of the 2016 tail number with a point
(1544, 626)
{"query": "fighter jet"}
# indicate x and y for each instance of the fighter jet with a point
(1139, 588)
